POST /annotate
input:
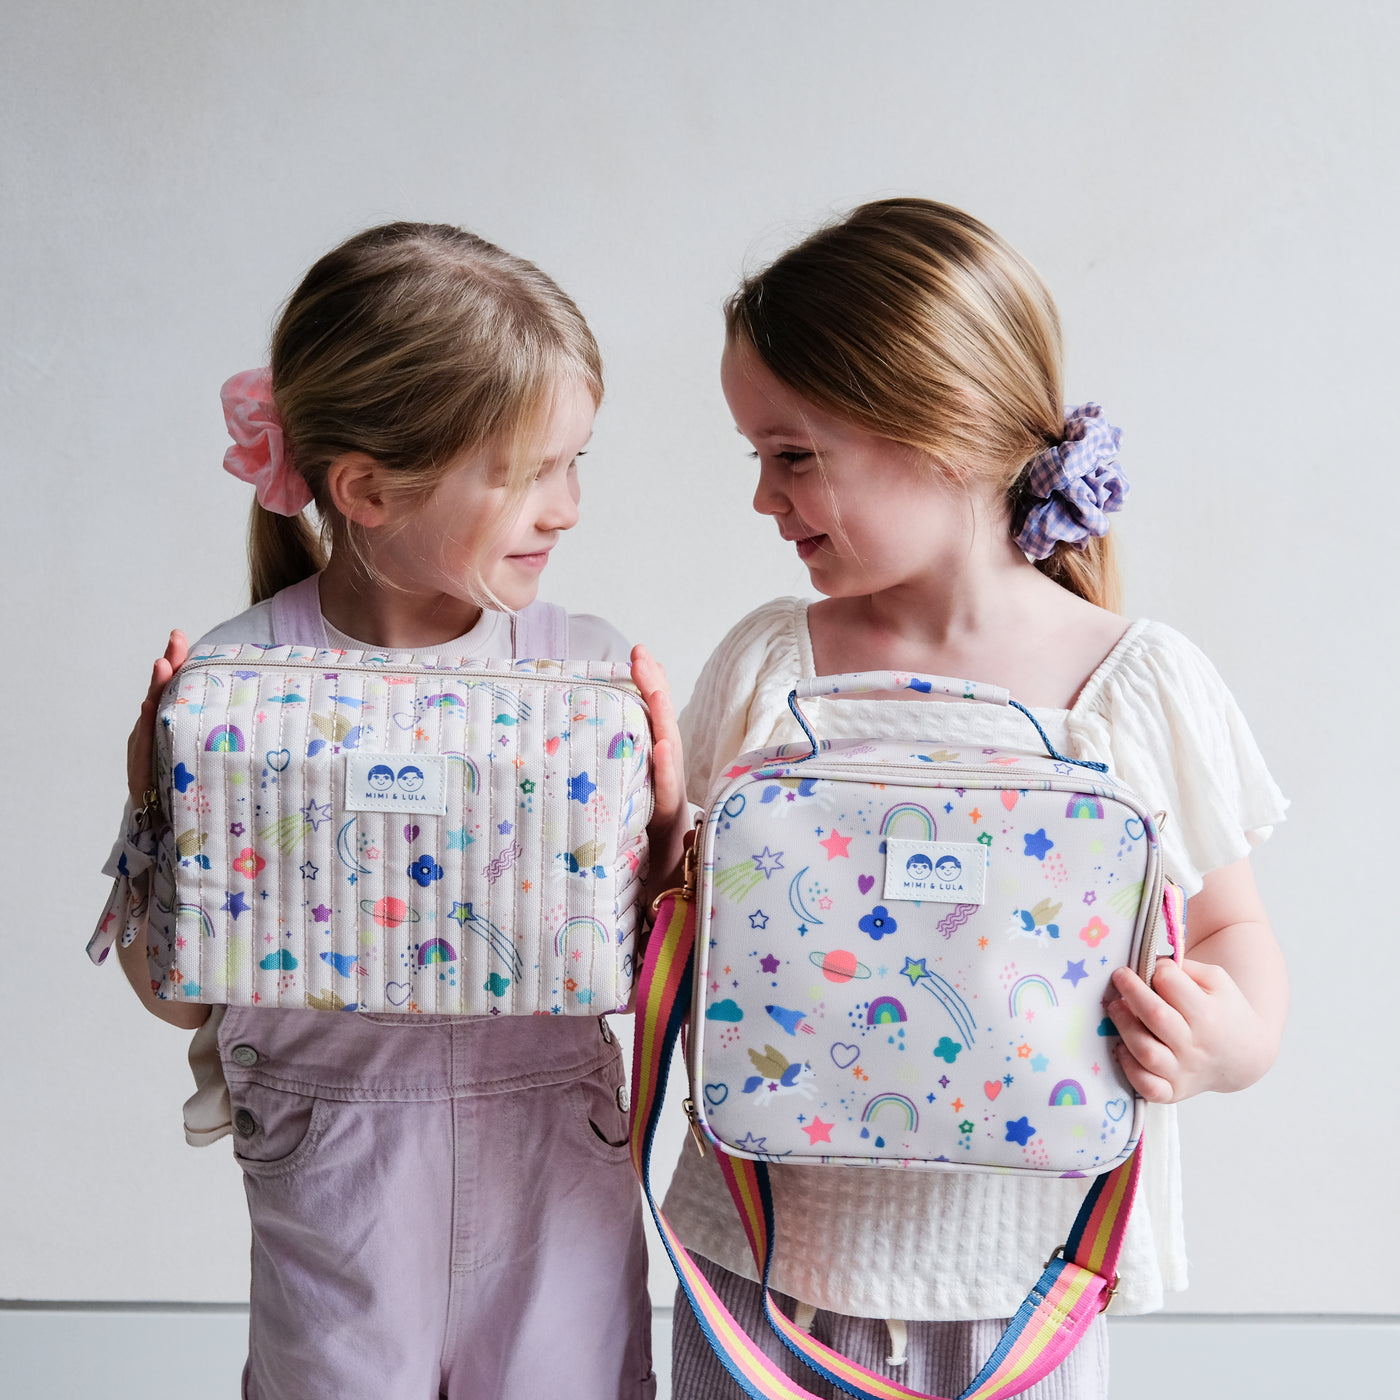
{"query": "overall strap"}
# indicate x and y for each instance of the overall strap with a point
(1075, 1287)
(540, 630)
(296, 615)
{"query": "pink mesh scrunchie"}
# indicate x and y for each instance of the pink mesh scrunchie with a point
(259, 455)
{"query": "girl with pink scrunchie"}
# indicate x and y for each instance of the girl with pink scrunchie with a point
(898, 376)
(440, 1206)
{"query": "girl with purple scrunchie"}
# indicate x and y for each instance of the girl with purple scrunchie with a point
(898, 376)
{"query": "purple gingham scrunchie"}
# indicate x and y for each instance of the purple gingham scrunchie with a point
(1072, 489)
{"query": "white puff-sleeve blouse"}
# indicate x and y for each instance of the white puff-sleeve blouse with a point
(954, 1246)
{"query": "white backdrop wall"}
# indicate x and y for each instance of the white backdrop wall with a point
(1208, 188)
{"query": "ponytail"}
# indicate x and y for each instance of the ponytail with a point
(282, 550)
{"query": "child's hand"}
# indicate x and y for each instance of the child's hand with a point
(671, 815)
(140, 745)
(1191, 1031)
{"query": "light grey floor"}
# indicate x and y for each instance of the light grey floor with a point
(155, 1352)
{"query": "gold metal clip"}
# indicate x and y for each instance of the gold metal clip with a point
(690, 1113)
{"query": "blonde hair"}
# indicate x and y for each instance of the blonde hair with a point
(914, 321)
(411, 343)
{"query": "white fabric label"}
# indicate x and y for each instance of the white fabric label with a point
(938, 872)
(396, 782)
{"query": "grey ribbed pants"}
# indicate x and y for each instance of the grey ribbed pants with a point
(942, 1357)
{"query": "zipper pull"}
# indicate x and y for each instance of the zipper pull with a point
(690, 1113)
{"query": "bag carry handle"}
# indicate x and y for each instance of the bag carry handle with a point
(856, 683)
(1078, 1282)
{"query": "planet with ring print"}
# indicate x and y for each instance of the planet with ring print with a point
(839, 965)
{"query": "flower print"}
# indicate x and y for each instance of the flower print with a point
(947, 1049)
(425, 870)
(248, 862)
(1094, 932)
(878, 923)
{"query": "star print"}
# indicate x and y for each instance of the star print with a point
(975, 815)
(1090, 897)
(1020, 1131)
(1063, 768)
(321, 914)
(932, 1098)
(235, 903)
(824, 902)
(943, 1082)
(769, 964)
(236, 829)
(505, 828)
(1039, 1064)
(749, 1143)
(758, 919)
(947, 806)
(737, 771)
(1038, 844)
(461, 912)
(527, 787)
(526, 886)
(768, 861)
(836, 845)
(1008, 1079)
(965, 1127)
(458, 840)
(914, 971)
(985, 839)
(502, 740)
(817, 1131)
(792, 797)
(958, 1107)
(982, 942)
(582, 788)
(1074, 973)
(309, 871)
(315, 814)
(1023, 1051)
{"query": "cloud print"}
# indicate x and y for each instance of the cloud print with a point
(726, 1010)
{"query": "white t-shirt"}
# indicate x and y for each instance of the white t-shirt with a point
(208, 1115)
(952, 1246)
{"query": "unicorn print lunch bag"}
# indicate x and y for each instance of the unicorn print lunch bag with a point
(895, 954)
(909, 947)
(342, 831)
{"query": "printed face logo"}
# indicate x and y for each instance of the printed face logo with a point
(381, 778)
(410, 778)
(919, 867)
(949, 868)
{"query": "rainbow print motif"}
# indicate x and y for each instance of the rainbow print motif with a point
(836, 1024)
(513, 890)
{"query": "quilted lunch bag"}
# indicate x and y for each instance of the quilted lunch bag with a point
(343, 831)
(906, 954)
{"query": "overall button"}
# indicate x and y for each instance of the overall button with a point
(245, 1055)
(604, 1027)
(244, 1123)
(624, 1099)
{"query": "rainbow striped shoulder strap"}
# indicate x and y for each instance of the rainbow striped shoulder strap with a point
(1077, 1284)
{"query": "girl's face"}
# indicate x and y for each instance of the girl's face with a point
(454, 541)
(873, 516)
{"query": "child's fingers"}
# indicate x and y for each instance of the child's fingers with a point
(1153, 1087)
(1151, 1006)
(1147, 1050)
(140, 743)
